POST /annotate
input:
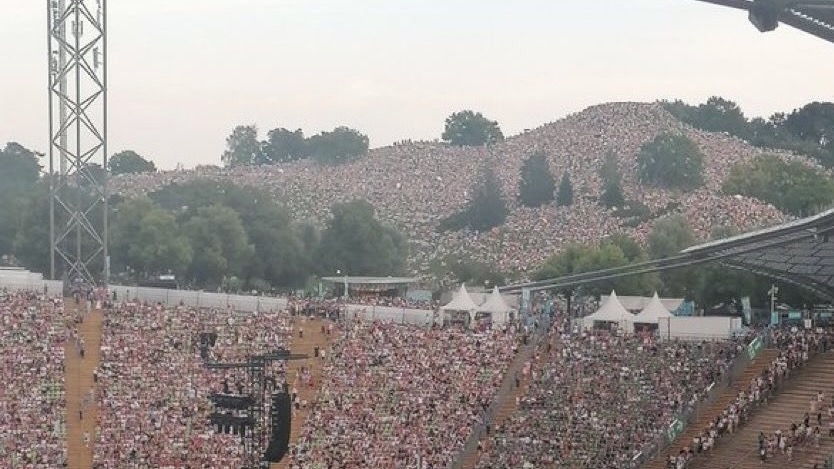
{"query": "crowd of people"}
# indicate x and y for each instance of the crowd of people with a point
(597, 400)
(795, 346)
(33, 331)
(401, 396)
(414, 185)
(153, 386)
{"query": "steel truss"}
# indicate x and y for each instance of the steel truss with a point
(77, 52)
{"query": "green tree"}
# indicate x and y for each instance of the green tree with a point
(356, 243)
(220, 244)
(612, 192)
(672, 161)
(285, 145)
(578, 258)
(472, 272)
(789, 186)
(487, 208)
(148, 239)
(31, 242)
(564, 197)
(669, 236)
(242, 147)
(339, 146)
(129, 161)
(467, 128)
(536, 184)
(18, 179)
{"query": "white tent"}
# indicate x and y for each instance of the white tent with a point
(462, 303)
(497, 307)
(652, 312)
(611, 311)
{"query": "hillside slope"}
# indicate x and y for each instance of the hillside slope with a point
(414, 185)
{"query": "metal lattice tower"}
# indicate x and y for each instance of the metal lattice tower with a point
(78, 140)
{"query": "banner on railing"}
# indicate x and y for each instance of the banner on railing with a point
(754, 347)
(675, 429)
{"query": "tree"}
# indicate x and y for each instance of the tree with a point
(536, 184)
(148, 239)
(612, 192)
(472, 272)
(284, 145)
(20, 168)
(339, 146)
(19, 173)
(669, 236)
(672, 161)
(31, 241)
(242, 147)
(128, 161)
(487, 209)
(221, 245)
(578, 258)
(789, 186)
(467, 128)
(564, 197)
(356, 243)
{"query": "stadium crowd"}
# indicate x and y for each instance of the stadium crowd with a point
(33, 330)
(415, 185)
(401, 396)
(795, 346)
(596, 399)
(153, 388)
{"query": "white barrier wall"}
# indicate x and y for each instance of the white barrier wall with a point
(419, 317)
(698, 328)
(198, 299)
(16, 280)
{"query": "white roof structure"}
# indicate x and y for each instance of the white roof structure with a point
(611, 311)
(461, 302)
(635, 304)
(495, 304)
(653, 311)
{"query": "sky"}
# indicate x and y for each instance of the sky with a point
(182, 74)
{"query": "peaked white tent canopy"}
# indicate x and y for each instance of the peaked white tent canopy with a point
(461, 302)
(652, 312)
(611, 311)
(497, 307)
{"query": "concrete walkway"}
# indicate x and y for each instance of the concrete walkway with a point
(78, 379)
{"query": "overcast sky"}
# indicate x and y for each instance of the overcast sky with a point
(184, 73)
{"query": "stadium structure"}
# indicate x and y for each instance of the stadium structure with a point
(814, 17)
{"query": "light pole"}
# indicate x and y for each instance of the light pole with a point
(772, 292)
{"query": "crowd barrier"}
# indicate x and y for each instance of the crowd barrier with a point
(14, 280)
(197, 299)
(419, 317)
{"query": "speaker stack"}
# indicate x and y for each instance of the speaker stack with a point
(280, 414)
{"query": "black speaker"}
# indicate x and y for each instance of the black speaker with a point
(281, 419)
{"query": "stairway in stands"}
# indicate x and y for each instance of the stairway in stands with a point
(505, 410)
(313, 337)
(715, 408)
(78, 381)
(738, 451)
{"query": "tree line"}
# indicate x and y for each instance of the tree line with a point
(208, 234)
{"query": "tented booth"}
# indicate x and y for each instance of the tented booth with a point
(495, 309)
(611, 314)
(651, 314)
(461, 310)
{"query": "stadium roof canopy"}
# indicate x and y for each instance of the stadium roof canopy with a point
(811, 16)
(800, 252)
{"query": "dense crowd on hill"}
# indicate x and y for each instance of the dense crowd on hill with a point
(598, 400)
(153, 388)
(401, 396)
(414, 185)
(33, 330)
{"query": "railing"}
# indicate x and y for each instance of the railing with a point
(525, 353)
(691, 413)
